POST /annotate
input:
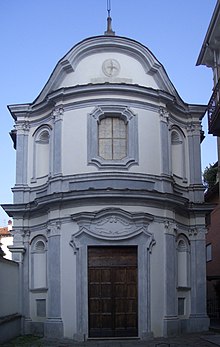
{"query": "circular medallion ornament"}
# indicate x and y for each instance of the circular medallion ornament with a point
(111, 67)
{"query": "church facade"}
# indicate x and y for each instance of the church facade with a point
(108, 208)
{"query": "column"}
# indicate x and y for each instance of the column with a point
(54, 324)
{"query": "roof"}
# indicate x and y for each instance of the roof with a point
(211, 41)
(4, 231)
(93, 45)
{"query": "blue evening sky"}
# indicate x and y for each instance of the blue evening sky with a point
(35, 34)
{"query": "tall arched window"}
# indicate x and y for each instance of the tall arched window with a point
(178, 153)
(183, 251)
(41, 165)
(38, 263)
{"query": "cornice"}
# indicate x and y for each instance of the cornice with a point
(97, 91)
(78, 179)
(91, 94)
(20, 110)
(106, 196)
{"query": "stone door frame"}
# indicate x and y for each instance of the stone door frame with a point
(112, 227)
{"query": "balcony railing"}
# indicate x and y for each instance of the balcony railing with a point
(213, 110)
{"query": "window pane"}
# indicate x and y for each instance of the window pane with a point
(119, 149)
(119, 128)
(105, 148)
(105, 128)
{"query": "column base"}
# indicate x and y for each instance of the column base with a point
(36, 329)
(79, 337)
(26, 326)
(53, 328)
(170, 326)
(198, 323)
(146, 335)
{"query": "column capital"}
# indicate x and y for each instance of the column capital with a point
(57, 113)
(22, 127)
(197, 233)
(194, 129)
(164, 115)
(53, 228)
(17, 249)
(170, 227)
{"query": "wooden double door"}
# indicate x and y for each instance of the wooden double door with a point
(112, 291)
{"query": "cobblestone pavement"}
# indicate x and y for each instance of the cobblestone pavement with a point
(192, 340)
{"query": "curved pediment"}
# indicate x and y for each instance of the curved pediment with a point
(105, 59)
(112, 224)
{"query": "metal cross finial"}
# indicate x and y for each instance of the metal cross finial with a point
(109, 30)
(109, 7)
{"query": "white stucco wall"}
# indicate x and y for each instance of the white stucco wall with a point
(148, 138)
(74, 142)
(89, 70)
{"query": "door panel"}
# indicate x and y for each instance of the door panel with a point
(112, 273)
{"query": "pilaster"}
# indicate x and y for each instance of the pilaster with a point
(196, 188)
(165, 157)
(54, 325)
(18, 250)
(26, 293)
(193, 131)
(198, 320)
(22, 152)
(171, 324)
(57, 140)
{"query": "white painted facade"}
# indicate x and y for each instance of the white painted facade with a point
(68, 198)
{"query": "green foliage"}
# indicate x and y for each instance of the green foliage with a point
(24, 341)
(210, 176)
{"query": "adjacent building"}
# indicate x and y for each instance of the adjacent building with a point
(6, 239)
(109, 212)
(210, 57)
